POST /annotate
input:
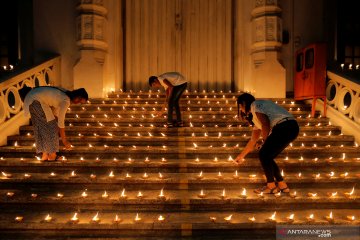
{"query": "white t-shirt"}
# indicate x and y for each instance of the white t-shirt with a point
(174, 78)
(54, 102)
(274, 112)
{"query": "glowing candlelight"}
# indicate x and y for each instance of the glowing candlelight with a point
(344, 175)
(84, 194)
(92, 176)
(48, 218)
(299, 175)
(161, 219)
(223, 194)
(202, 194)
(139, 195)
(160, 175)
(6, 175)
(342, 66)
(75, 218)
(73, 174)
(123, 195)
(272, 218)
(161, 195)
(59, 195)
(10, 194)
(96, 218)
(117, 219)
(278, 194)
(261, 195)
(333, 194)
(137, 218)
(105, 195)
(163, 160)
(111, 174)
(19, 218)
(252, 176)
(26, 175)
(331, 174)
(252, 219)
(145, 176)
(236, 176)
(290, 218)
(293, 195)
(146, 160)
(350, 218)
(16, 144)
(200, 175)
(220, 176)
(228, 218)
(127, 175)
(330, 218)
(243, 193)
(316, 176)
(212, 219)
(349, 194)
(34, 195)
(312, 195)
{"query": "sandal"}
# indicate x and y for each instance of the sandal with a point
(267, 190)
(57, 157)
(169, 125)
(284, 190)
(180, 124)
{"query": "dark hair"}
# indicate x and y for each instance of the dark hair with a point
(81, 93)
(152, 79)
(247, 99)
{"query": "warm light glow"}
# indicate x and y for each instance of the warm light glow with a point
(137, 218)
(74, 218)
(105, 195)
(123, 195)
(161, 218)
(243, 193)
(48, 218)
(96, 218)
(228, 218)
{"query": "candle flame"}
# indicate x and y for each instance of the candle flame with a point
(228, 218)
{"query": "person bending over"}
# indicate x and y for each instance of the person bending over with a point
(43, 104)
(174, 84)
(274, 129)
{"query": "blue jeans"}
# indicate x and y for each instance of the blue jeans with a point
(174, 98)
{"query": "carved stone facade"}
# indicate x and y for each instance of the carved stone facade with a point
(269, 74)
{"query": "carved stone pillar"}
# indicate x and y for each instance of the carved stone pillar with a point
(91, 28)
(269, 74)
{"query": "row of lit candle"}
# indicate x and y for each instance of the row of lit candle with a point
(289, 219)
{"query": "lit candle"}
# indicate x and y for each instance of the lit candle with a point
(261, 195)
(145, 176)
(161, 219)
(290, 218)
(6, 175)
(332, 194)
(293, 195)
(34, 195)
(161, 195)
(75, 218)
(243, 193)
(272, 218)
(342, 66)
(228, 218)
(236, 176)
(331, 174)
(140, 195)
(105, 195)
(350, 218)
(344, 175)
(330, 218)
(349, 194)
(10, 194)
(200, 175)
(123, 195)
(117, 219)
(212, 219)
(220, 176)
(59, 195)
(312, 195)
(202, 194)
(310, 218)
(84, 194)
(128, 176)
(73, 174)
(137, 218)
(252, 176)
(252, 219)
(223, 194)
(111, 174)
(92, 176)
(96, 218)
(26, 175)
(48, 218)
(19, 218)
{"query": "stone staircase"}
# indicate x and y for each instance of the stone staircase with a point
(126, 170)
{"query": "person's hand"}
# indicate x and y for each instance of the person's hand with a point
(67, 145)
(239, 159)
(259, 144)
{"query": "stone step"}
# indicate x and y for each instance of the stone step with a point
(239, 141)
(176, 224)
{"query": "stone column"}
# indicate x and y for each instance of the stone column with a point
(269, 75)
(91, 28)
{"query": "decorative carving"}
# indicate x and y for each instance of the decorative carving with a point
(270, 29)
(259, 3)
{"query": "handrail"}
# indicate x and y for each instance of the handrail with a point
(46, 73)
(344, 95)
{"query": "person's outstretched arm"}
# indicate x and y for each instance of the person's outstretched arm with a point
(255, 135)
